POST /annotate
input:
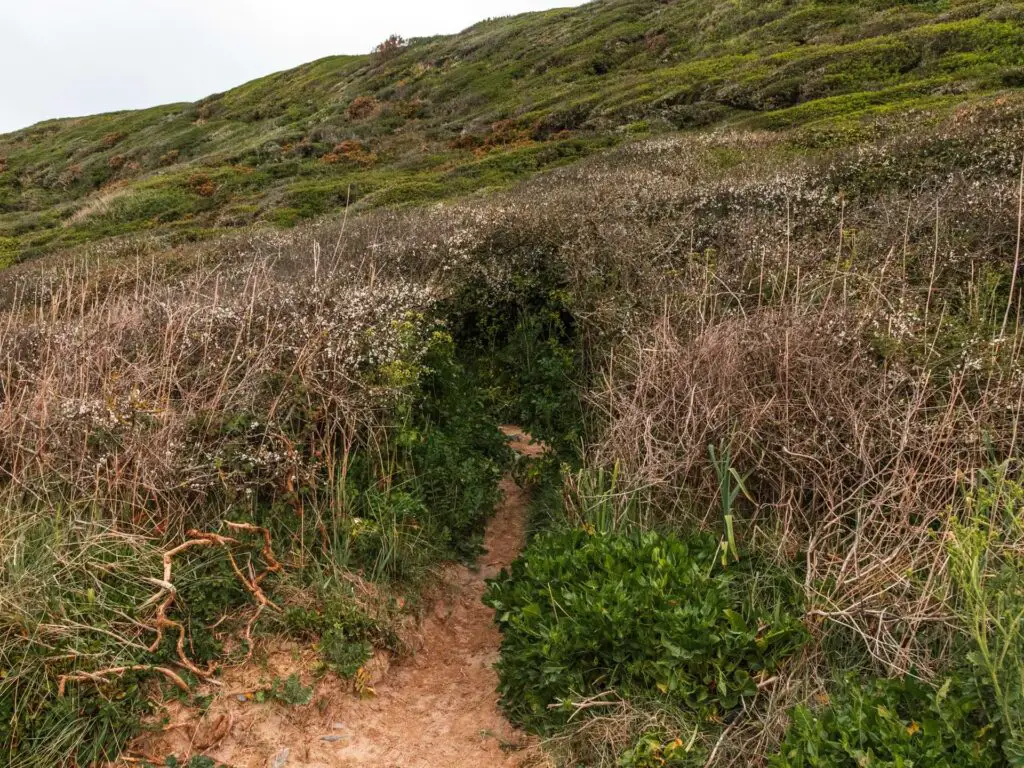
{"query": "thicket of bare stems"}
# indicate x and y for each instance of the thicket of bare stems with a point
(849, 351)
(135, 403)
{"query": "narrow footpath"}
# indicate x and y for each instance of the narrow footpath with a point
(437, 709)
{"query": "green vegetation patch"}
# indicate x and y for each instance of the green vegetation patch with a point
(636, 616)
(892, 723)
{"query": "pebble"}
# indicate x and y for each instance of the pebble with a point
(281, 759)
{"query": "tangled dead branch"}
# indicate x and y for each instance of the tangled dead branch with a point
(164, 598)
(104, 675)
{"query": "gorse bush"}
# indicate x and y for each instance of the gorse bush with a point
(634, 617)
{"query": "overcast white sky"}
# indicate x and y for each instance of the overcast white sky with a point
(64, 58)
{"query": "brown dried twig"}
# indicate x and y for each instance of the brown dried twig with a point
(101, 676)
(165, 597)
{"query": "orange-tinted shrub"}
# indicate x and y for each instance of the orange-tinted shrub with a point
(390, 47)
(202, 185)
(111, 139)
(351, 150)
(362, 107)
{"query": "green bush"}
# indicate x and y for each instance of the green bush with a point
(346, 633)
(640, 615)
(289, 692)
(897, 723)
(196, 761)
(539, 370)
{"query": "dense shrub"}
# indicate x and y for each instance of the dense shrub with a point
(346, 634)
(390, 47)
(538, 373)
(457, 452)
(633, 616)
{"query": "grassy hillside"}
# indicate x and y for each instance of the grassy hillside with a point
(445, 116)
(773, 337)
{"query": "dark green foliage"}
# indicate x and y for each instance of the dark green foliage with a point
(209, 590)
(539, 371)
(522, 344)
(897, 723)
(196, 761)
(431, 496)
(346, 634)
(341, 654)
(457, 455)
(643, 616)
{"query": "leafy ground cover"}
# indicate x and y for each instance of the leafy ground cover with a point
(583, 614)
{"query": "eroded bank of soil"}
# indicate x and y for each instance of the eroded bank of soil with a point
(437, 709)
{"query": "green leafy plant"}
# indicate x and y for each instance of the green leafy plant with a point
(290, 691)
(634, 616)
(895, 723)
(342, 653)
(345, 634)
(196, 761)
(457, 454)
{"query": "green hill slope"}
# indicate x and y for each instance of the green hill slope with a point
(449, 115)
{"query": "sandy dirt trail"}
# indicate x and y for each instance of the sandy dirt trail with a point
(437, 709)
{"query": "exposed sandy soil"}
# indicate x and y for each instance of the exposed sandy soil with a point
(437, 709)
